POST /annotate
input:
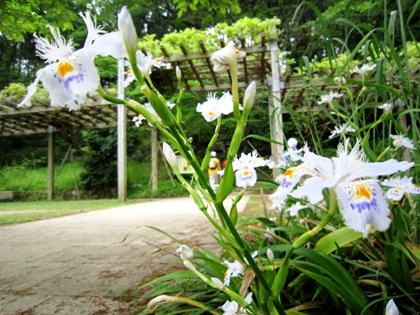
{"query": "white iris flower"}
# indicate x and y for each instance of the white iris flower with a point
(360, 198)
(328, 98)
(71, 76)
(214, 107)
(400, 141)
(363, 70)
(235, 269)
(233, 308)
(145, 62)
(341, 130)
(246, 176)
(399, 187)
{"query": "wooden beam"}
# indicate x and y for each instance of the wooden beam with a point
(194, 70)
(209, 65)
(243, 62)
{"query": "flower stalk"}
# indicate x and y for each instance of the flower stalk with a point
(281, 276)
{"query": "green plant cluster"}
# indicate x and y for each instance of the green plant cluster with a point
(251, 29)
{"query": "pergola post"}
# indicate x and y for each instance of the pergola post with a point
(276, 118)
(50, 188)
(121, 137)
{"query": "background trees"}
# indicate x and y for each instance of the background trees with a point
(306, 26)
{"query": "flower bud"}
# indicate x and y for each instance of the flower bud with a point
(270, 255)
(169, 155)
(184, 251)
(391, 308)
(178, 73)
(128, 33)
(226, 57)
(249, 97)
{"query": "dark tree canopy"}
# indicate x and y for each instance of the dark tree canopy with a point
(306, 26)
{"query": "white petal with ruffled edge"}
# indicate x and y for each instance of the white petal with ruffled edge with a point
(362, 205)
(246, 177)
(70, 81)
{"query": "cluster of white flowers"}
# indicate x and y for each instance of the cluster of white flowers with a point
(360, 197)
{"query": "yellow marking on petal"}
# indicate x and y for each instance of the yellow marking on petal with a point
(363, 190)
(246, 173)
(129, 72)
(158, 60)
(289, 172)
(210, 113)
(64, 67)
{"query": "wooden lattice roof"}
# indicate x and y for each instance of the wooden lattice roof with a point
(197, 75)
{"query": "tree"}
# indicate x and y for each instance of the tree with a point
(20, 17)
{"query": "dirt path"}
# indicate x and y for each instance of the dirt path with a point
(78, 264)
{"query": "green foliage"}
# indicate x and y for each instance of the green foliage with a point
(222, 6)
(250, 29)
(18, 18)
(185, 283)
(13, 93)
(100, 163)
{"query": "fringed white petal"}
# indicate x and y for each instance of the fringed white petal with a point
(71, 81)
(362, 205)
(94, 31)
(55, 50)
(32, 89)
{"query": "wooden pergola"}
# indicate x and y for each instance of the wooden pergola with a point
(261, 65)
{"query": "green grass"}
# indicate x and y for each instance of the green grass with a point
(18, 178)
(20, 212)
(31, 183)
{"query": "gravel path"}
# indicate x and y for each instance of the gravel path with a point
(78, 264)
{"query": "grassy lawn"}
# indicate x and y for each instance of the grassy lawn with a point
(19, 212)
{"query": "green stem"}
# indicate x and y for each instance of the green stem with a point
(281, 276)
(245, 251)
(306, 237)
(235, 94)
(212, 142)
